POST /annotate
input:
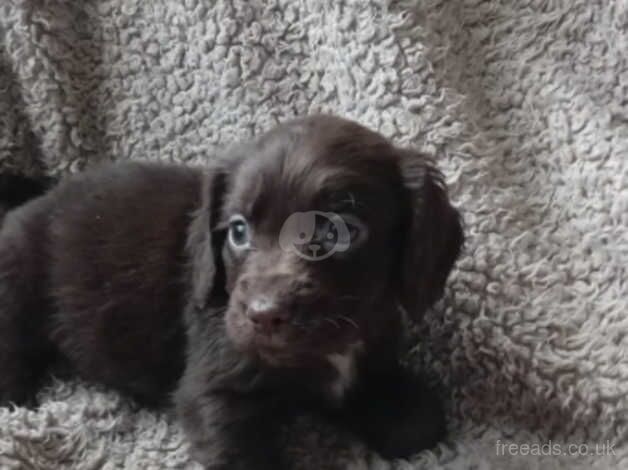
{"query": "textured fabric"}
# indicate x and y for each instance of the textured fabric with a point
(524, 101)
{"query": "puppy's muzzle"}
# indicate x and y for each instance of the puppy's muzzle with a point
(272, 302)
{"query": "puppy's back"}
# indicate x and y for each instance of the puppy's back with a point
(116, 247)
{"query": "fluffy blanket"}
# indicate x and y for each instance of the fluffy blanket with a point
(525, 102)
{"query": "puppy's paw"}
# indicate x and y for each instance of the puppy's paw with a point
(397, 436)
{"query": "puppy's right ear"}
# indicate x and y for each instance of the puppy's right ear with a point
(200, 246)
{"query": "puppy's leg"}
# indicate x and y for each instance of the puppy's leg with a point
(25, 351)
(396, 414)
(230, 432)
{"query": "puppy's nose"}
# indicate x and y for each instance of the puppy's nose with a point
(266, 314)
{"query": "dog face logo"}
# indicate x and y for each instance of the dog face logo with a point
(314, 235)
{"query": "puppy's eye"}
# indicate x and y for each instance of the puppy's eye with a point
(358, 230)
(239, 233)
(341, 233)
(355, 232)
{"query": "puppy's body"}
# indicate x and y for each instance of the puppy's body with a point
(101, 262)
(154, 279)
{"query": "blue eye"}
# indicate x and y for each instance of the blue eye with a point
(239, 233)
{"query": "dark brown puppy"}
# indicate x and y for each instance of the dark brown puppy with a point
(274, 280)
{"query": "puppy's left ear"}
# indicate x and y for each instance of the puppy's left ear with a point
(433, 236)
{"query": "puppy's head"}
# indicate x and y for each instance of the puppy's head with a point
(329, 228)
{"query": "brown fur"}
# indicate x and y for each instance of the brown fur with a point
(128, 274)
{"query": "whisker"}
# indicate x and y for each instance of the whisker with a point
(329, 320)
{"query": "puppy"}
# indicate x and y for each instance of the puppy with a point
(275, 280)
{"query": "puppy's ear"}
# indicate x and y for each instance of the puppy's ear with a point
(201, 247)
(204, 242)
(433, 236)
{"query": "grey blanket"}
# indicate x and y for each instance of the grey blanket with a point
(525, 102)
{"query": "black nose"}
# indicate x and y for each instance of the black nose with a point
(266, 314)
